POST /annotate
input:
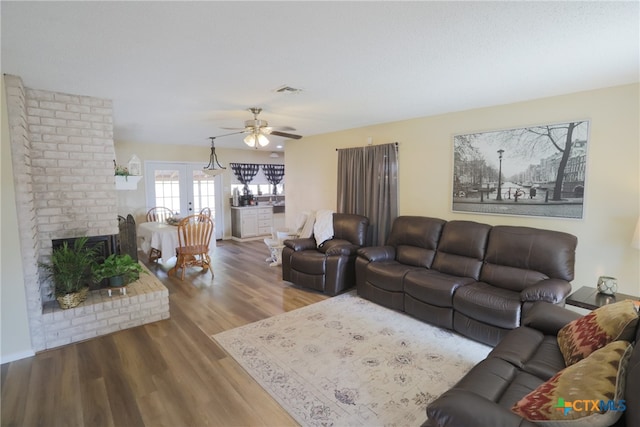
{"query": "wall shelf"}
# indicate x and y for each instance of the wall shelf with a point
(127, 182)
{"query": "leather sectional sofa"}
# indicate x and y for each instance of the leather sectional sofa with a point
(476, 279)
(529, 360)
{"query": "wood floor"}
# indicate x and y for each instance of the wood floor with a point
(168, 373)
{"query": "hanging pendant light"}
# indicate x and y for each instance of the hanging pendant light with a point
(210, 169)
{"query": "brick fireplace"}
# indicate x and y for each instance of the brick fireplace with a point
(62, 153)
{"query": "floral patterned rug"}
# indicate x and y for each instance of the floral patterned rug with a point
(347, 361)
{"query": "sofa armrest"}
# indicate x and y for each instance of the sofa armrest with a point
(462, 408)
(549, 290)
(300, 244)
(377, 253)
(339, 247)
(548, 318)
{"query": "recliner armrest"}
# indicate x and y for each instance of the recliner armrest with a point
(548, 318)
(377, 253)
(462, 408)
(301, 244)
(339, 247)
(549, 290)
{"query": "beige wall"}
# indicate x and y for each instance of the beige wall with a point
(612, 196)
(15, 339)
(134, 201)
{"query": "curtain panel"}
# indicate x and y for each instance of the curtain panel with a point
(368, 186)
(245, 172)
(274, 175)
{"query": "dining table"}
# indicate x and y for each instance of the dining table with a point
(162, 236)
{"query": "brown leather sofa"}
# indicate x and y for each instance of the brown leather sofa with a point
(330, 267)
(471, 277)
(525, 358)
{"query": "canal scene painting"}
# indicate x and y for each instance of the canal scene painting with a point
(534, 171)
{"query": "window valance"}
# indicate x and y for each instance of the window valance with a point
(245, 172)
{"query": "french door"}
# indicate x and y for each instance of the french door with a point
(185, 189)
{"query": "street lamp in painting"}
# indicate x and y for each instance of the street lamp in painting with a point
(499, 196)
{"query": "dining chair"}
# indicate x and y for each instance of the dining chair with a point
(194, 237)
(157, 214)
(205, 212)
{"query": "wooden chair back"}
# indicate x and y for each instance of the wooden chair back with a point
(194, 233)
(194, 237)
(158, 214)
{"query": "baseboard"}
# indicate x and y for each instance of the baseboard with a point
(6, 358)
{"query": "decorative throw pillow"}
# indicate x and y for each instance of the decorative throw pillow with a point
(323, 228)
(572, 396)
(608, 323)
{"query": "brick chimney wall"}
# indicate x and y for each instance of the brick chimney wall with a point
(63, 152)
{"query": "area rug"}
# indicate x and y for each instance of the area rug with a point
(346, 361)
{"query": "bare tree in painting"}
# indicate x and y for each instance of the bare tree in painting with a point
(555, 135)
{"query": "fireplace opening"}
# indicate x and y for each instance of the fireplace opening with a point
(106, 245)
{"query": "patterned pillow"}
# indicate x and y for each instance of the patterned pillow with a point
(611, 322)
(572, 396)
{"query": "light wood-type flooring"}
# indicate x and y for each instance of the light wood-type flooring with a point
(167, 373)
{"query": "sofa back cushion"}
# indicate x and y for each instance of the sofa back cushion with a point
(350, 227)
(518, 257)
(461, 249)
(415, 239)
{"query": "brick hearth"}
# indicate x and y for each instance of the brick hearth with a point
(146, 301)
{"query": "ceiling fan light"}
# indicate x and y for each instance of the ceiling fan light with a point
(262, 140)
(250, 140)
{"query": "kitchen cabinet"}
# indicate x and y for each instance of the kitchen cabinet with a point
(250, 222)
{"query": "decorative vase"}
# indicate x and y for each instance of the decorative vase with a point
(607, 285)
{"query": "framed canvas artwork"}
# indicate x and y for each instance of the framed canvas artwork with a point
(534, 171)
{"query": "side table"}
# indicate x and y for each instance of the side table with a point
(590, 299)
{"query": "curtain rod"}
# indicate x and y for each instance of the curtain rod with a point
(365, 146)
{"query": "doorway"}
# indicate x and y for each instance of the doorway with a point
(185, 189)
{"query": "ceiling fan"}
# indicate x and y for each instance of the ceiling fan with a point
(258, 130)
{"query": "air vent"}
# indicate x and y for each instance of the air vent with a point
(287, 89)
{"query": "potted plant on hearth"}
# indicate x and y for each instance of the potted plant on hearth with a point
(119, 269)
(71, 269)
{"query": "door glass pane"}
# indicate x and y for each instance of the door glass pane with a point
(203, 192)
(167, 186)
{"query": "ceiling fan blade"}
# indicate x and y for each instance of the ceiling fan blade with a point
(285, 135)
(284, 128)
(232, 128)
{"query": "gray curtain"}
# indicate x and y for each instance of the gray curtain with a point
(368, 185)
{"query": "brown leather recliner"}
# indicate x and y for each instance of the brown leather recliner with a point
(330, 267)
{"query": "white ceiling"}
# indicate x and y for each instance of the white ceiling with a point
(179, 71)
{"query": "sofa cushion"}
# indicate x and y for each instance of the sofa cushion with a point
(309, 262)
(608, 323)
(569, 394)
(531, 351)
(518, 257)
(461, 248)
(489, 304)
(387, 275)
(433, 287)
